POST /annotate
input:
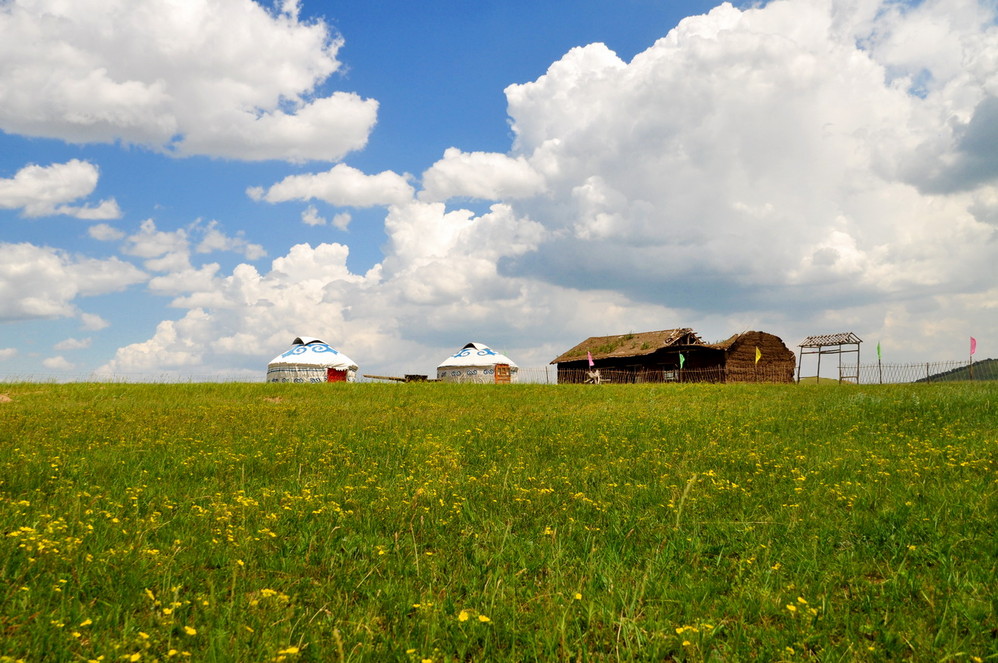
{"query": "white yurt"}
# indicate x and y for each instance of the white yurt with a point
(311, 360)
(477, 362)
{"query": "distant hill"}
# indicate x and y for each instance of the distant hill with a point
(986, 369)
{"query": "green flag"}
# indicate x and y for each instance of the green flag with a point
(878, 349)
(682, 360)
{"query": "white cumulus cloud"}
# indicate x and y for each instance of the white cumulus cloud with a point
(73, 344)
(57, 363)
(483, 175)
(423, 288)
(170, 251)
(749, 153)
(46, 190)
(225, 78)
(311, 217)
(93, 322)
(341, 185)
(105, 233)
(216, 240)
(39, 282)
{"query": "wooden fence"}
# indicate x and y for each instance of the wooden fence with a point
(551, 375)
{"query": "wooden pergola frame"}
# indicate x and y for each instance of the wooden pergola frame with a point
(830, 344)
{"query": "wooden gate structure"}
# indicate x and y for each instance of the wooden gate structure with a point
(831, 344)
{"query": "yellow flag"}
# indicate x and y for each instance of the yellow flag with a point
(758, 355)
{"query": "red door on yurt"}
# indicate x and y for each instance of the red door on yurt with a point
(333, 375)
(502, 373)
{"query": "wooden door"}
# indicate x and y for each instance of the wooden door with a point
(502, 374)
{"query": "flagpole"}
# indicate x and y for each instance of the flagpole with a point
(973, 349)
(880, 368)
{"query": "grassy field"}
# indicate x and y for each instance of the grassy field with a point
(433, 522)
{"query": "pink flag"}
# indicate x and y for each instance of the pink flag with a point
(973, 345)
(589, 356)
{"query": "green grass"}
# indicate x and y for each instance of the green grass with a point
(814, 379)
(407, 522)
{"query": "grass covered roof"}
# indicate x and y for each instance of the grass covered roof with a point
(630, 345)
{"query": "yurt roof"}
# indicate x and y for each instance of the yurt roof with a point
(308, 351)
(476, 354)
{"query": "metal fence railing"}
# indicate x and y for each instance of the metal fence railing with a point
(943, 371)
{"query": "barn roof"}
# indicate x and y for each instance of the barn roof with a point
(726, 343)
(757, 337)
(630, 345)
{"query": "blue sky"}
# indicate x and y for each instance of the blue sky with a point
(183, 193)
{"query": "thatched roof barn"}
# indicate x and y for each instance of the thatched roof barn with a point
(677, 355)
(645, 357)
(756, 356)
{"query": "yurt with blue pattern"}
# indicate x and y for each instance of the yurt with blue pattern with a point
(477, 362)
(311, 360)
